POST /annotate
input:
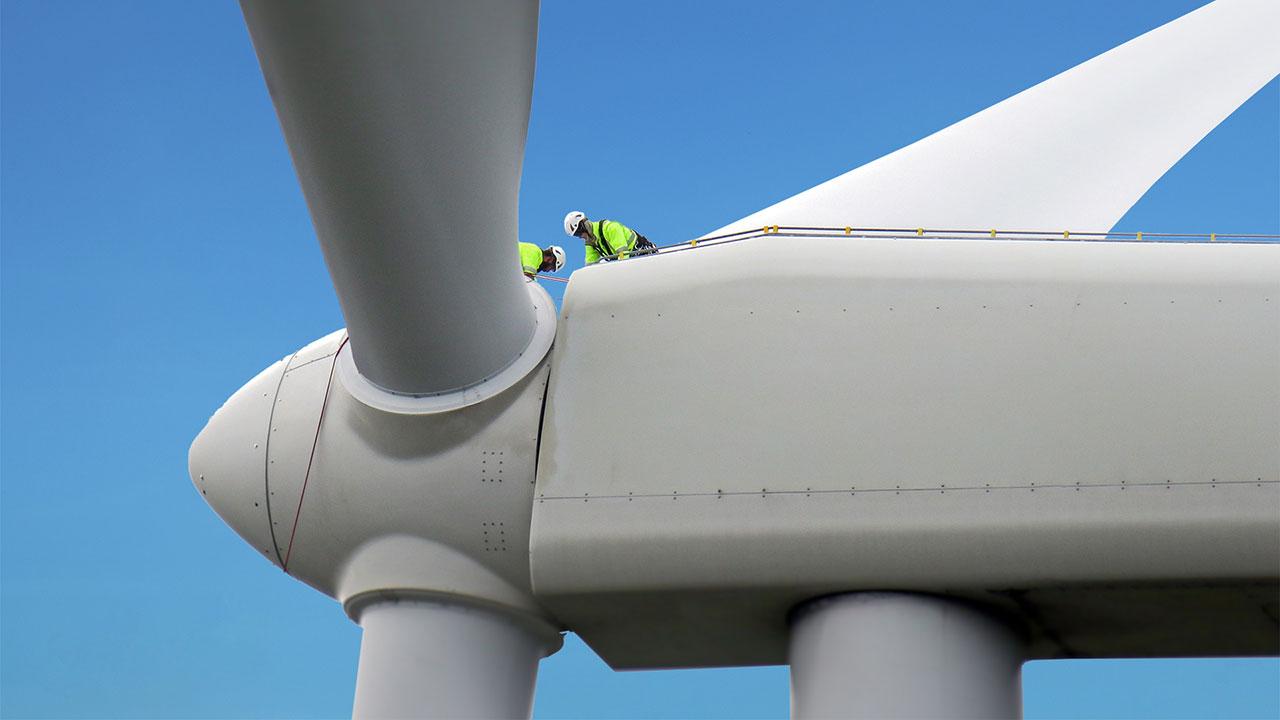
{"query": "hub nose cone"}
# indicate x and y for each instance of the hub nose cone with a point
(228, 460)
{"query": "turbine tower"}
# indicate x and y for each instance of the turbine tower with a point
(902, 466)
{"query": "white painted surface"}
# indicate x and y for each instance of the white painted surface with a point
(427, 659)
(406, 123)
(227, 460)
(364, 500)
(734, 429)
(893, 655)
(544, 334)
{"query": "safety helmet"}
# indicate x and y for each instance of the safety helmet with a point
(558, 253)
(572, 220)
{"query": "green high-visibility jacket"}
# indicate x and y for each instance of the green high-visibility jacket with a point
(530, 258)
(611, 238)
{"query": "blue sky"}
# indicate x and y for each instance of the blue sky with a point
(157, 253)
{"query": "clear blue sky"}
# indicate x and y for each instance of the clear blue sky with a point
(157, 254)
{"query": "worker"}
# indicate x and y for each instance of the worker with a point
(606, 238)
(534, 259)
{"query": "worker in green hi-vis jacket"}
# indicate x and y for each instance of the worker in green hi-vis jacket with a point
(606, 238)
(534, 259)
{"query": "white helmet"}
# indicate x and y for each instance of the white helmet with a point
(558, 252)
(572, 220)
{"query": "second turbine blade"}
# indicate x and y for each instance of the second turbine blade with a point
(1074, 152)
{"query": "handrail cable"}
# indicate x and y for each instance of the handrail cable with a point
(899, 233)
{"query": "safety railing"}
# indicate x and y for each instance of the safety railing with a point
(921, 233)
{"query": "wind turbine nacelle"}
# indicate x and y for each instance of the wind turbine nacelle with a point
(361, 499)
(1085, 434)
(1080, 437)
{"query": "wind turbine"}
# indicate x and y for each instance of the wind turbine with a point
(905, 468)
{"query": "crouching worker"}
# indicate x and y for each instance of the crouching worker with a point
(534, 259)
(606, 238)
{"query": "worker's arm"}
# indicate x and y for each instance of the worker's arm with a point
(593, 255)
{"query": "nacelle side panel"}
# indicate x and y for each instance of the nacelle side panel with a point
(739, 428)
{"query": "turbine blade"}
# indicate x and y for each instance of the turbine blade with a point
(437, 658)
(1074, 152)
(406, 122)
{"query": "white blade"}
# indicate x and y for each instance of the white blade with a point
(406, 122)
(435, 658)
(1074, 152)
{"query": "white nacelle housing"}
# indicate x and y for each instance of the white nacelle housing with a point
(1085, 434)
(1081, 435)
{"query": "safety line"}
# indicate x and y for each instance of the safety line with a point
(898, 233)
(316, 441)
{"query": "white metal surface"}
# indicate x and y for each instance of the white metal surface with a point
(227, 461)
(291, 435)
(734, 430)
(893, 655)
(544, 334)
(431, 659)
(360, 501)
(1074, 152)
(406, 123)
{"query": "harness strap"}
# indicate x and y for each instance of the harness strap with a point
(603, 246)
(604, 242)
